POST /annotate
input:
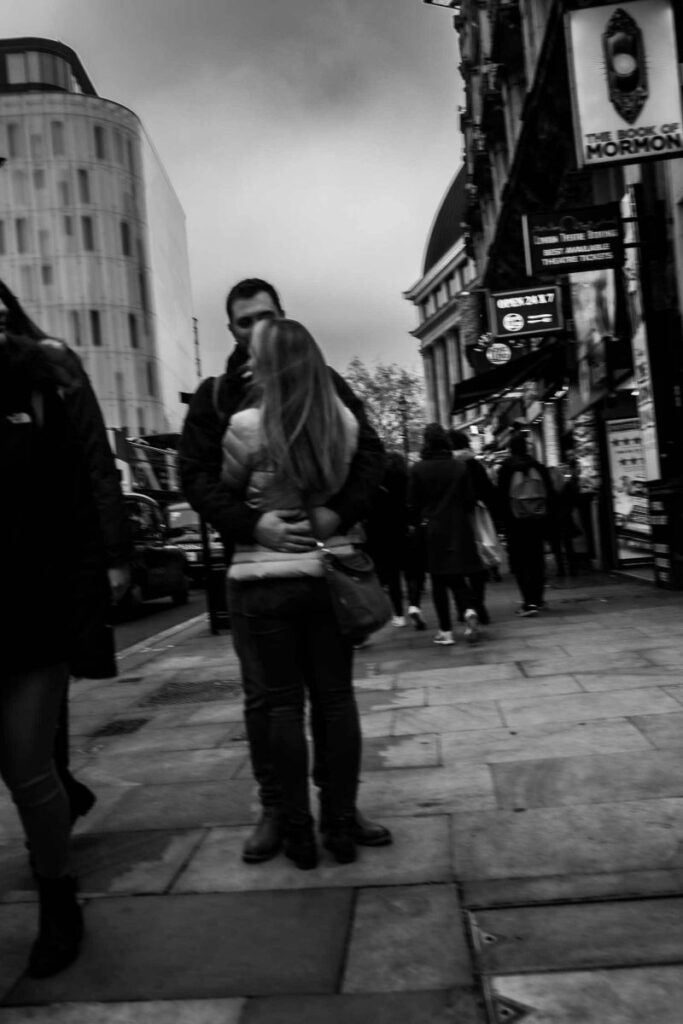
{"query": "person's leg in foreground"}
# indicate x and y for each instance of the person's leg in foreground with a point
(29, 712)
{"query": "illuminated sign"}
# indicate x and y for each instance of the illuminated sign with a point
(522, 313)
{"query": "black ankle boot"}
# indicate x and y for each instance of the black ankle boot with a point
(266, 839)
(61, 928)
(339, 839)
(299, 845)
(81, 798)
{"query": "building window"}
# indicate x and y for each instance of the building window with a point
(151, 390)
(131, 160)
(118, 146)
(125, 238)
(100, 146)
(88, 234)
(68, 226)
(65, 193)
(95, 328)
(15, 140)
(39, 178)
(28, 290)
(3, 248)
(57, 133)
(19, 187)
(141, 423)
(46, 273)
(75, 326)
(16, 68)
(37, 147)
(21, 228)
(133, 331)
(83, 185)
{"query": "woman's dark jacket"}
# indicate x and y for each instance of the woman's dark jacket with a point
(201, 457)
(386, 527)
(440, 491)
(62, 516)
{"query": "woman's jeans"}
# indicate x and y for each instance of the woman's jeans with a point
(293, 634)
(29, 713)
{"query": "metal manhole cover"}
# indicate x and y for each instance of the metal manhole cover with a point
(119, 727)
(192, 692)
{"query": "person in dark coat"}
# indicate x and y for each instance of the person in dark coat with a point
(526, 536)
(485, 492)
(217, 399)
(386, 531)
(441, 494)
(52, 446)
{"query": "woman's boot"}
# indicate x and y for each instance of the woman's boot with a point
(61, 927)
(339, 839)
(299, 844)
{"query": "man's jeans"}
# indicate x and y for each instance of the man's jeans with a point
(287, 640)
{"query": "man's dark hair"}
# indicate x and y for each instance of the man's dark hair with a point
(247, 289)
(518, 445)
(17, 321)
(459, 440)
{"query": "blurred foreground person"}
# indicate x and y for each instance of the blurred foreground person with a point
(54, 451)
(291, 452)
(441, 495)
(525, 494)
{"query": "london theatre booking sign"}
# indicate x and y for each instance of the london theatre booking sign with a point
(569, 241)
(625, 85)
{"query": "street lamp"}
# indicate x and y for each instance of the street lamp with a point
(402, 403)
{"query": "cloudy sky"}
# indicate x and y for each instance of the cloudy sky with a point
(309, 142)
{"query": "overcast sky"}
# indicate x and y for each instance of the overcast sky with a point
(309, 141)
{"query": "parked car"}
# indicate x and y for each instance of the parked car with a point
(185, 531)
(159, 568)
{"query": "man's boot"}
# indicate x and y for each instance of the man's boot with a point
(61, 928)
(265, 841)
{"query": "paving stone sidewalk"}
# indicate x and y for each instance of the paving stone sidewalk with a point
(534, 787)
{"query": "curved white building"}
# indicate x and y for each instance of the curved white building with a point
(92, 235)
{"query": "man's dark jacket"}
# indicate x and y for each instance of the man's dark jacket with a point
(201, 456)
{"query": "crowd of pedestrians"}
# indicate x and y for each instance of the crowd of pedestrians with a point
(278, 455)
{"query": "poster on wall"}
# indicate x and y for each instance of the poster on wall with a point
(639, 342)
(629, 491)
(624, 80)
(594, 307)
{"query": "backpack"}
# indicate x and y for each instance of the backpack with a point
(528, 497)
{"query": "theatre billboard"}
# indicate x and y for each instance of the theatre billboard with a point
(624, 76)
(569, 241)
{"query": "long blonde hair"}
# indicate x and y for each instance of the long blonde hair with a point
(302, 428)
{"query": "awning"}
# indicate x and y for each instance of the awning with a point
(546, 360)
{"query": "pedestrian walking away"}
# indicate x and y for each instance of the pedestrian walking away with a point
(526, 497)
(441, 495)
(249, 303)
(55, 569)
(291, 452)
(485, 492)
(386, 532)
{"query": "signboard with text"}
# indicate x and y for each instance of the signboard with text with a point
(522, 313)
(573, 240)
(624, 78)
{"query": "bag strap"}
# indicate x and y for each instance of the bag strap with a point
(215, 394)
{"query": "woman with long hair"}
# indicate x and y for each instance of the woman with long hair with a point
(290, 451)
